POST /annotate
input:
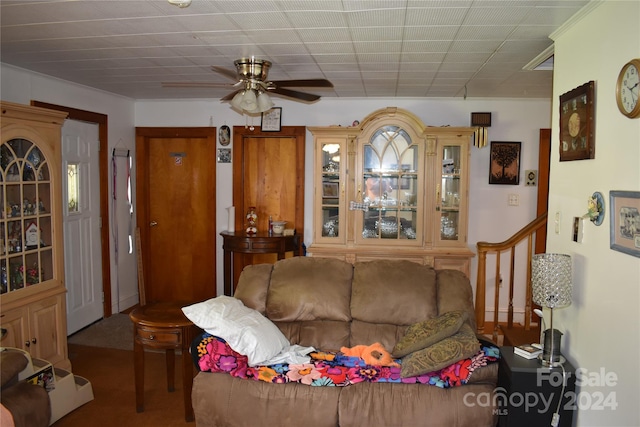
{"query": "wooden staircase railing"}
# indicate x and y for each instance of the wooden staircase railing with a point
(509, 245)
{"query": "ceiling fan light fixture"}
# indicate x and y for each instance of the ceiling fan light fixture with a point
(264, 102)
(180, 3)
(236, 102)
(249, 101)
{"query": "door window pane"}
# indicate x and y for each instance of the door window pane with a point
(73, 190)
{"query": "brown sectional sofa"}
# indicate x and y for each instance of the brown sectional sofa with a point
(27, 404)
(327, 303)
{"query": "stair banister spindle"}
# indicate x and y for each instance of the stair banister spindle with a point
(511, 285)
(496, 301)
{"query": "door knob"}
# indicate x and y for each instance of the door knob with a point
(153, 223)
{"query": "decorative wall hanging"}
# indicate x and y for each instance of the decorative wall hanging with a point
(595, 208)
(531, 178)
(481, 135)
(504, 167)
(625, 221)
(271, 120)
(224, 135)
(577, 125)
(224, 155)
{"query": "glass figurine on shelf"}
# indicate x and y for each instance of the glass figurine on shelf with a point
(252, 221)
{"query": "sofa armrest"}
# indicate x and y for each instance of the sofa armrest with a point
(28, 404)
(11, 364)
(455, 293)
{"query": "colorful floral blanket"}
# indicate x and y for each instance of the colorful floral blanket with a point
(213, 354)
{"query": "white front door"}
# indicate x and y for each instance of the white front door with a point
(81, 221)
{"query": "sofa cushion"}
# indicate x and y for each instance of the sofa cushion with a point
(247, 331)
(411, 405)
(308, 288)
(424, 334)
(368, 333)
(253, 285)
(326, 335)
(222, 400)
(393, 292)
(455, 293)
(459, 346)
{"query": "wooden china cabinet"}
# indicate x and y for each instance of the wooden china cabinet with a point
(392, 188)
(32, 290)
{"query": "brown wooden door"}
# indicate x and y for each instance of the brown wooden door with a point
(268, 173)
(176, 194)
(544, 161)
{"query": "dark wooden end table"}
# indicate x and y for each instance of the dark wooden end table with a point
(162, 325)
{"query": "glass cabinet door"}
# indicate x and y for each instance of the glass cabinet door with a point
(389, 188)
(26, 257)
(330, 190)
(450, 194)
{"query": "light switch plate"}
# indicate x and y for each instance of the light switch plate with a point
(577, 229)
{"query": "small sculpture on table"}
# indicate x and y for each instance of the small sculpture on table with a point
(252, 221)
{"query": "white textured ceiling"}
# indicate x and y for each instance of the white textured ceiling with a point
(366, 48)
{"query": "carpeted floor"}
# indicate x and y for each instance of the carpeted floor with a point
(113, 332)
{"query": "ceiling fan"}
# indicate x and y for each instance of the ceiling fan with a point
(251, 82)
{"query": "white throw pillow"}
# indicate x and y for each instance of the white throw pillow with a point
(247, 331)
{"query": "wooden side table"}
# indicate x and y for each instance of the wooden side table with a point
(261, 243)
(163, 326)
(532, 391)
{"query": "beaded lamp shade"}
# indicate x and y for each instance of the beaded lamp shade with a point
(551, 280)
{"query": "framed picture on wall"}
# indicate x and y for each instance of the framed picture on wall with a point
(577, 123)
(330, 190)
(504, 167)
(271, 120)
(625, 221)
(224, 155)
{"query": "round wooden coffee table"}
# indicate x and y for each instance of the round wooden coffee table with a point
(162, 325)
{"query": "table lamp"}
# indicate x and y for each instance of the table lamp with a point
(551, 286)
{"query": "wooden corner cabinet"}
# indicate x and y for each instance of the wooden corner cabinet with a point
(32, 290)
(392, 187)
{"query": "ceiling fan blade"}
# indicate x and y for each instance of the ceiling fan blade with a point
(226, 72)
(303, 83)
(196, 84)
(294, 94)
(230, 96)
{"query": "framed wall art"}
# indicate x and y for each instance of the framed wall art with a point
(330, 190)
(224, 135)
(224, 155)
(577, 128)
(271, 120)
(504, 167)
(625, 221)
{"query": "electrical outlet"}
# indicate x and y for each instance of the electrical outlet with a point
(514, 200)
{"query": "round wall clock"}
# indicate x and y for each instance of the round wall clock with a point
(224, 135)
(627, 89)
